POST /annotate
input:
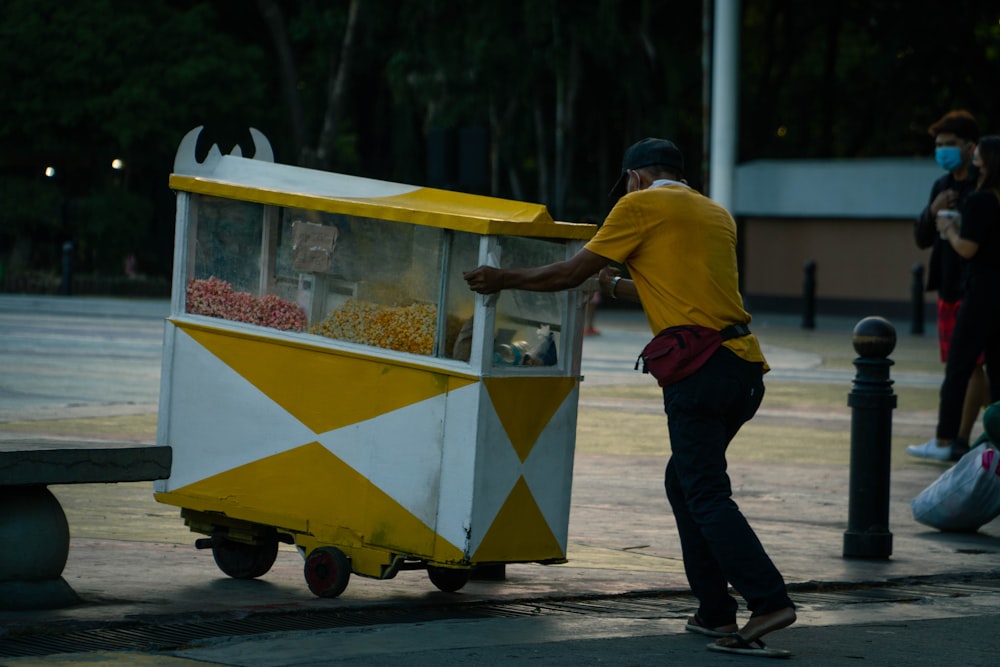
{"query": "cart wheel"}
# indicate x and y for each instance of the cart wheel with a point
(327, 570)
(448, 579)
(245, 561)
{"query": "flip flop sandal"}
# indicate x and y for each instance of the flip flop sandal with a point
(749, 647)
(695, 624)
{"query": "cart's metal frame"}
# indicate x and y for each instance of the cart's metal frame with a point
(249, 482)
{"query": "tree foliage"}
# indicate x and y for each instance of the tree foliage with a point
(560, 88)
(860, 79)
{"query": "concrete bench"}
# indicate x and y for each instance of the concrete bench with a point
(34, 533)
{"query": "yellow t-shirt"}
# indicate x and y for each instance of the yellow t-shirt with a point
(680, 249)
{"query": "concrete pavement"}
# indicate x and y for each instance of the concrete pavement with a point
(622, 596)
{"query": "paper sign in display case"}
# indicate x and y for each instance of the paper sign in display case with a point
(330, 381)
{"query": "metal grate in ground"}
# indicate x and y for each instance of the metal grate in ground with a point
(164, 636)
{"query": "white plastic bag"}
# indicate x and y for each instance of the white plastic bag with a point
(965, 496)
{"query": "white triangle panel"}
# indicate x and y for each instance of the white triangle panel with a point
(548, 470)
(399, 452)
(497, 470)
(458, 465)
(218, 420)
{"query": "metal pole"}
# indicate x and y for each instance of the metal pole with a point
(706, 89)
(725, 100)
(871, 402)
(809, 295)
(917, 299)
(67, 269)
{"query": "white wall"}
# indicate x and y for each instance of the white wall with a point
(864, 188)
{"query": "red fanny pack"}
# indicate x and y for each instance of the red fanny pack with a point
(677, 352)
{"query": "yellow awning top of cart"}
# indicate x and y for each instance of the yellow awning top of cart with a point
(263, 182)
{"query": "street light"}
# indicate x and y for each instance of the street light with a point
(50, 172)
(117, 164)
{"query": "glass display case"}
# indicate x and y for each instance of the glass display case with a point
(364, 280)
(321, 336)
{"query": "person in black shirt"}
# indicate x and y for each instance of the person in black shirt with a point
(955, 136)
(976, 238)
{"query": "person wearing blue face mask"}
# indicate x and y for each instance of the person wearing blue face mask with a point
(955, 137)
(976, 237)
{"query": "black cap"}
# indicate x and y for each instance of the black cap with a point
(646, 153)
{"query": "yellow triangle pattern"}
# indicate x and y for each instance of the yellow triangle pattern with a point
(302, 379)
(525, 405)
(519, 532)
(343, 508)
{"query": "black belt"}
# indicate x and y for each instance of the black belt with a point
(735, 331)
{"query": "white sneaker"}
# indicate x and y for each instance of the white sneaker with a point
(930, 450)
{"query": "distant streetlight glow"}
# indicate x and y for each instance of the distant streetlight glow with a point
(782, 131)
(50, 172)
(117, 164)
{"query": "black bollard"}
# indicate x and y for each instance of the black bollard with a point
(872, 403)
(67, 269)
(809, 296)
(917, 298)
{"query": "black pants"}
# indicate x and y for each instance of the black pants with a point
(719, 547)
(977, 329)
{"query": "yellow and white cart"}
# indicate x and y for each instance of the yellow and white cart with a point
(329, 380)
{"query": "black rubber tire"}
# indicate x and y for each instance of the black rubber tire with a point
(327, 571)
(448, 579)
(240, 560)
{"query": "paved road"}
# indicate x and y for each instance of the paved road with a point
(620, 600)
(64, 357)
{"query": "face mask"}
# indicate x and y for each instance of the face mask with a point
(949, 157)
